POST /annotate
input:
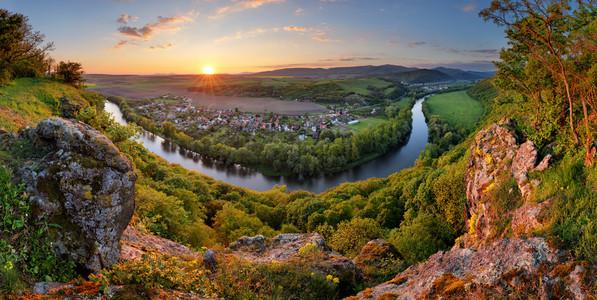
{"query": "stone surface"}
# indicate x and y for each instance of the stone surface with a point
(493, 271)
(285, 247)
(374, 251)
(82, 183)
(136, 241)
(496, 157)
(68, 109)
(528, 217)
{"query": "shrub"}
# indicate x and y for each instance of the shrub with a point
(352, 235)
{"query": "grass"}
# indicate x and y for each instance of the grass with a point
(403, 103)
(369, 123)
(359, 86)
(26, 101)
(275, 84)
(457, 108)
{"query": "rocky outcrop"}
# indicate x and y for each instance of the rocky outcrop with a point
(496, 158)
(136, 241)
(76, 178)
(68, 108)
(285, 247)
(376, 250)
(506, 267)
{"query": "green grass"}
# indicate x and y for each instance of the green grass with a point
(369, 123)
(359, 86)
(26, 101)
(275, 84)
(403, 103)
(457, 108)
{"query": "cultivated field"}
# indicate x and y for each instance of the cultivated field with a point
(147, 87)
(457, 108)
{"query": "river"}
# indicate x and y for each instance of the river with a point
(395, 160)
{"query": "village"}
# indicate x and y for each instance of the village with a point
(185, 116)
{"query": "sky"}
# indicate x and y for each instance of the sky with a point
(236, 36)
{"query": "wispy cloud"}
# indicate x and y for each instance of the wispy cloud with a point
(469, 7)
(161, 47)
(322, 37)
(240, 5)
(415, 44)
(295, 28)
(123, 43)
(298, 11)
(489, 53)
(147, 31)
(124, 18)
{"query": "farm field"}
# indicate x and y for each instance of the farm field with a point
(371, 122)
(149, 87)
(457, 108)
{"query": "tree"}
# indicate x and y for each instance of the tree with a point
(548, 38)
(70, 72)
(19, 42)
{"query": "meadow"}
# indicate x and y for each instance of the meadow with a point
(456, 108)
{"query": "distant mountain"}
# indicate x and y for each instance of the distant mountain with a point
(418, 76)
(389, 72)
(341, 71)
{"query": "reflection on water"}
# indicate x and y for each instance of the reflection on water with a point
(393, 161)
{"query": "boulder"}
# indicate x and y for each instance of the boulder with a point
(68, 109)
(374, 251)
(136, 241)
(80, 181)
(499, 270)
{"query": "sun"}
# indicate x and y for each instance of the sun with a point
(208, 70)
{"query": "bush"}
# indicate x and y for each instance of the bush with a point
(351, 236)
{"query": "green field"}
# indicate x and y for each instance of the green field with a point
(369, 123)
(359, 86)
(457, 108)
(403, 103)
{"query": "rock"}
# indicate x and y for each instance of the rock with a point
(496, 157)
(209, 258)
(528, 217)
(68, 109)
(136, 241)
(285, 247)
(82, 183)
(525, 267)
(256, 242)
(374, 251)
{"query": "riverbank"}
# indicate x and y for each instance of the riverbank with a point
(393, 161)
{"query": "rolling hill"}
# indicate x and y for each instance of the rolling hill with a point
(391, 72)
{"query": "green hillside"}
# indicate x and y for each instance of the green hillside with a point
(457, 108)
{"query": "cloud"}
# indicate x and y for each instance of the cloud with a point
(124, 18)
(161, 47)
(295, 28)
(240, 5)
(415, 44)
(332, 0)
(476, 52)
(147, 31)
(322, 37)
(298, 11)
(123, 43)
(343, 59)
(479, 65)
(469, 7)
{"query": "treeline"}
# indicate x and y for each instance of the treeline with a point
(331, 152)
(328, 92)
(23, 53)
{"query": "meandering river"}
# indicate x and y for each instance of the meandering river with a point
(395, 160)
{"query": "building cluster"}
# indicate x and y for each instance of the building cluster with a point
(186, 116)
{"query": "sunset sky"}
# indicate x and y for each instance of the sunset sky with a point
(234, 36)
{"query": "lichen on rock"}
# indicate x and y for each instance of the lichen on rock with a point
(84, 185)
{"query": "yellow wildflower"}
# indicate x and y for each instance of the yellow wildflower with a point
(329, 278)
(336, 280)
(8, 265)
(274, 261)
(312, 274)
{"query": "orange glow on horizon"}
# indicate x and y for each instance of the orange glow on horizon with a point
(208, 70)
